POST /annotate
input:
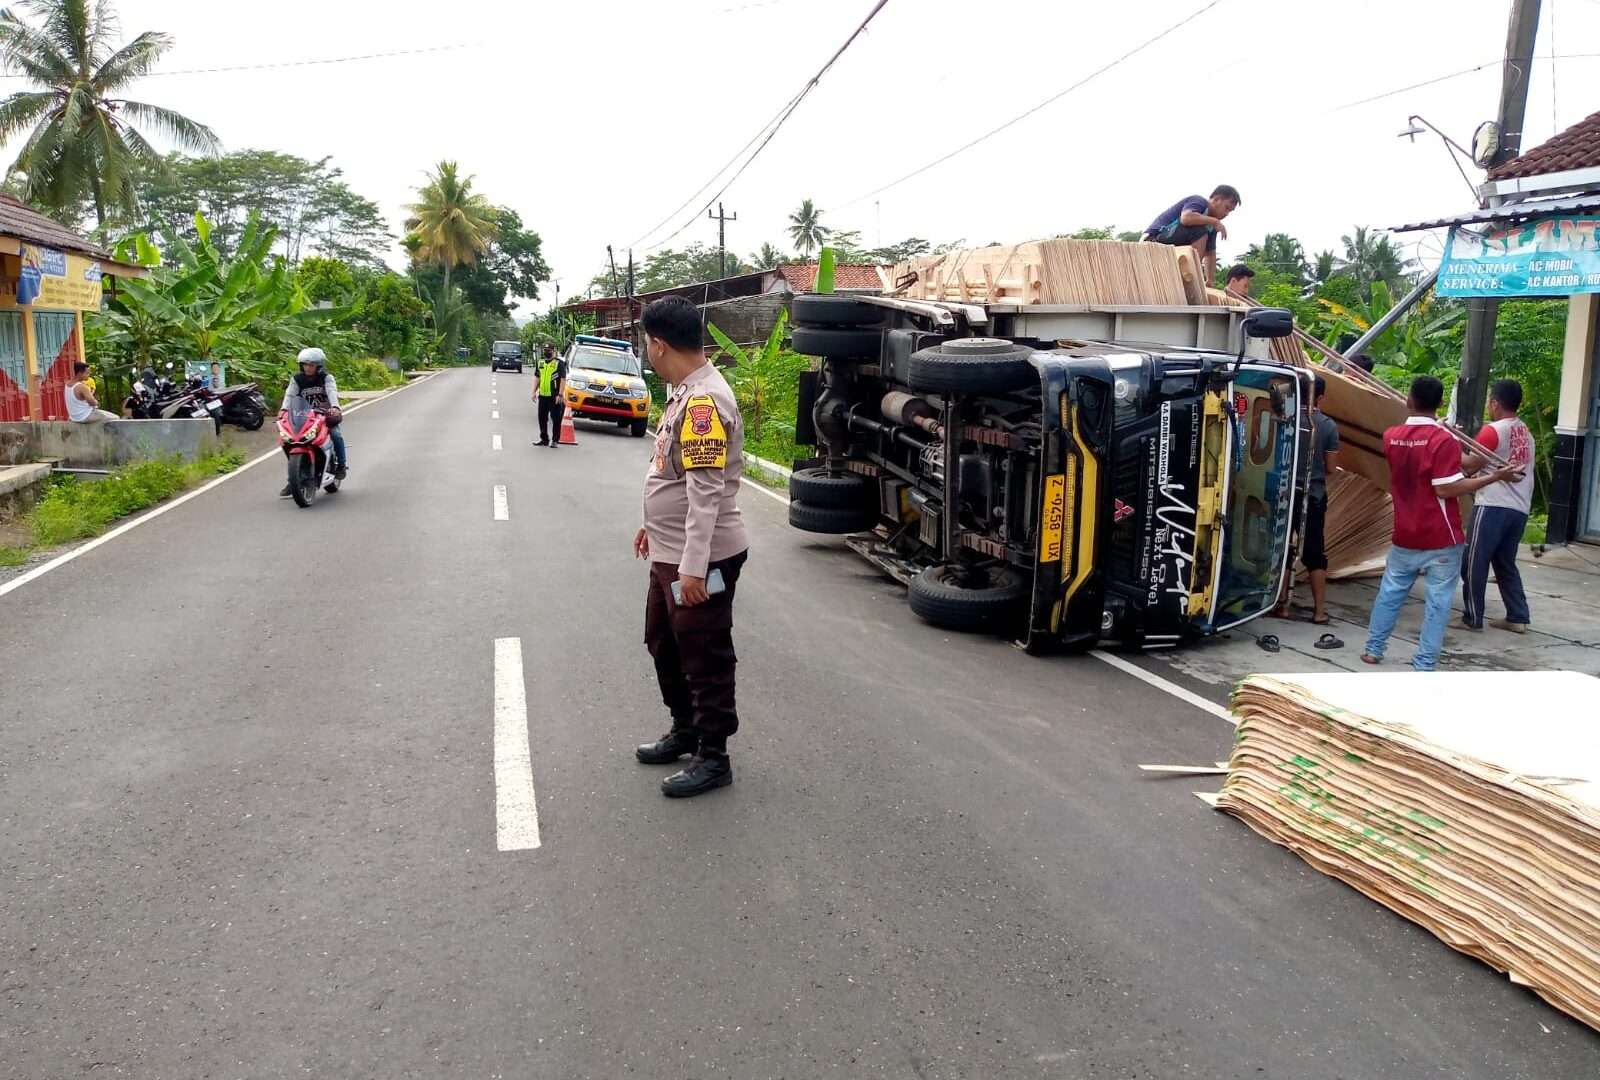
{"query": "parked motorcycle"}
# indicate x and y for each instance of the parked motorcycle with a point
(307, 441)
(155, 397)
(243, 406)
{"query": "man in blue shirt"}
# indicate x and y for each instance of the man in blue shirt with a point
(1197, 222)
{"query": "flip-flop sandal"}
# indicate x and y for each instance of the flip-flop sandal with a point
(1373, 660)
(1268, 642)
(1328, 641)
(1324, 621)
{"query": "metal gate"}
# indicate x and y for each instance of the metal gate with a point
(13, 368)
(56, 338)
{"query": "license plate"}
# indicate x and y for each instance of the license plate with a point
(1053, 517)
(213, 406)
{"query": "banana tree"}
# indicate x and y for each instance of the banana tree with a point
(205, 301)
(755, 372)
(1425, 342)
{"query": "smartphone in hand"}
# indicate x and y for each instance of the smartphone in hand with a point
(714, 585)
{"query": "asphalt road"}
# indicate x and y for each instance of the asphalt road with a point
(248, 819)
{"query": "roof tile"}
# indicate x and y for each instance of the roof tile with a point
(1578, 147)
(802, 277)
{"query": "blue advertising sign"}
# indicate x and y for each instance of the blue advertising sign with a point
(1556, 256)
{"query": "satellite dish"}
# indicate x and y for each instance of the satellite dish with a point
(1486, 143)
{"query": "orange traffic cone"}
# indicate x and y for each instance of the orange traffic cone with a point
(569, 433)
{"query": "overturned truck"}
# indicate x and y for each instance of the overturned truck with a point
(1067, 475)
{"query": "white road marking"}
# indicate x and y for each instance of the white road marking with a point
(1166, 687)
(497, 442)
(516, 814)
(61, 560)
(495, 415)
(502, 509)
(765, 490)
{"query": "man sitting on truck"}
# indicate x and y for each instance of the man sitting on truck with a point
(1197, 222)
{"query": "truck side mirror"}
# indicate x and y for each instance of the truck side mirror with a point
(1269, 323)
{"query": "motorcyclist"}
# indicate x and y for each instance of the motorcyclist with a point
(313, 387)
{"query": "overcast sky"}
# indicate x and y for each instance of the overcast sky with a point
(595, 119)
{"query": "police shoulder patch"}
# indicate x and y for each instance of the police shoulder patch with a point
(702, 439)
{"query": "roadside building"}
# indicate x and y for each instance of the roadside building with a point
(49, 276)
(1537, 234)
(743, 306)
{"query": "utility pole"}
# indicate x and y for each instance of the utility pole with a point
(616, 290)
(722, 235)
(632, 335)
(1472, 386)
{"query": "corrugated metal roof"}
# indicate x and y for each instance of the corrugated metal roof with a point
(1575, 204)
(25, 223)
(1578, 147)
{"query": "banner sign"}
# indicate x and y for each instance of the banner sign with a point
(55, 279)
(1555, 256)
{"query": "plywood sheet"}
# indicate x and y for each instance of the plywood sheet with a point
(1408, 788)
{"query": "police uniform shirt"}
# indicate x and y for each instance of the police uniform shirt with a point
(691, 512)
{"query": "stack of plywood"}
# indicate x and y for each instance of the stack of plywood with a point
(1358, 527)
(1084, 272)
(1421, 791)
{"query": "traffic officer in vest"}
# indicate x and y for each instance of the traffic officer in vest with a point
(549, 380)
(694, 539)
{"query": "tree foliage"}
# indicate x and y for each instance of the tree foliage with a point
(450, 224)
(83, 142)
(806, 229)
(307, 202)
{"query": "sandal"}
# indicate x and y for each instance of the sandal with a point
(1324, 621)
(1328, 641)
(1367, 658)
(1268, 642)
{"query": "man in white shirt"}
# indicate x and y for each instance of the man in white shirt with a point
(1499, 515)
(82, 408)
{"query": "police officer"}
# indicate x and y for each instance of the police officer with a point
(693, 536)
(549, 381)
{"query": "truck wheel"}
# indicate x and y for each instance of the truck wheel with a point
(637, 428)
(824, 488)
(827, 309)
(831, 520)
(960, 599)
(826, 341)
(971, 366)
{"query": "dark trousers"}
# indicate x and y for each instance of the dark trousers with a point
(1493, 537)
(550, 410)
(693, 652)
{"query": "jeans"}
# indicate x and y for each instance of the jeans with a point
(338, 447)
(1439, 568)
(1493, 539)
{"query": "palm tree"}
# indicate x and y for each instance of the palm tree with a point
(768, 257)
(1371, 257)
(1279, 253)
(450, 225)
(1323, 267)
(82, 139)
(806, 228)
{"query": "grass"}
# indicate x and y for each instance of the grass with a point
(74, 509)
(1533, 534)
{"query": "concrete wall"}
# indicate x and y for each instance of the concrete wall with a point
(105, 445)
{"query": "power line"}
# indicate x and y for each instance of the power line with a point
(1047, 101)
(1456, 75)
(266, 65)
(787, 112)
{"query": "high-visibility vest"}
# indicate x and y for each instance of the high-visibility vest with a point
(547, 377)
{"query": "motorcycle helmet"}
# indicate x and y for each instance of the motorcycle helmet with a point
(315, 356)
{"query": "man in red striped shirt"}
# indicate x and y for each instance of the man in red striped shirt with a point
(1425, 480)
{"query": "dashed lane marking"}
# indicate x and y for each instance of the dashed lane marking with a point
(502, 509)
(497, 442)
(516, 814)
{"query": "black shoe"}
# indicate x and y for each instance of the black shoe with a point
(702, 775)
(669, 748)
(286, 492)
(340, 472)
(542, 442)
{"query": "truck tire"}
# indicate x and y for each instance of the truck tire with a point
(938, 595)
(828, 309)
(971, 366)
(827, 489)
(830, 520)
(833, 341)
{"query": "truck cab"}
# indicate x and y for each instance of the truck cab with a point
(1036, 474)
